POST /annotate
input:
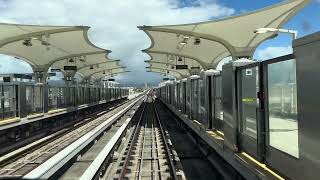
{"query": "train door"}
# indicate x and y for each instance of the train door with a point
(249, 109)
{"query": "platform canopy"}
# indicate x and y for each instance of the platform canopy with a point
(100, 76)
(84, 60)
(176, 74)
(93, 68)
(209, 42)
(43, 46)
(165, 66)
(109, 72)
(172, 60)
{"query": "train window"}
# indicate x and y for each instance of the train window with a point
(282, 107)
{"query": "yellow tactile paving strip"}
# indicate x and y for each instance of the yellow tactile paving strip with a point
(261, 165)
(11, 120)
(56, 111)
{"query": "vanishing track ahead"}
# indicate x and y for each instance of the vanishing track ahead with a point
(147, 155)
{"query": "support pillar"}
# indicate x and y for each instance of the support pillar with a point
(40, 74)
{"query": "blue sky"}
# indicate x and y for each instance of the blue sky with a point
(114, 25)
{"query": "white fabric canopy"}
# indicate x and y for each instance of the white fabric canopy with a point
(41, 46)
(177, 74)
(232, 36)
(83, 61)
(92, 69)
(172, 60)
(165, 66)
(115, 71)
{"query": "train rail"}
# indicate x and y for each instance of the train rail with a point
(46, 160)
(13, 152)
(147, 154)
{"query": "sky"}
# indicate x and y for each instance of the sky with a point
(114, 25)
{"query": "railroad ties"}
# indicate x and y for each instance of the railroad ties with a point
(147, 155)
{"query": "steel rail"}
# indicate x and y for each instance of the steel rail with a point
(52, 165)
(133, 138)
(172, 169)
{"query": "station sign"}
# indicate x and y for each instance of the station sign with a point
(111, 79)
(23, 76)
(52, 74)
(55, 70)
(165, 79)
(6, 79)
(182, 66)
(70, 68)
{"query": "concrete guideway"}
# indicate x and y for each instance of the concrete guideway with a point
(53, 164)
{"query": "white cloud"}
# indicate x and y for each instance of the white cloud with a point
(272, 52)
(114, 23)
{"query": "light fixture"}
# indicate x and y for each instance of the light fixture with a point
(27, 42)
(81, 59)
(45, 43)
(71, 60)
(111, 75)
(171, 58)
(104, 72)
(197, 41)
(184, 41)
(91, 67)
(267, 30)
(168, 71)
(180, 59)
(172, 66)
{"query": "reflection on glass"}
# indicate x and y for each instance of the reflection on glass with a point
(218, 101)
(9, 101)
(53, 98)
(282, 98)
(249, 100)
(38, 100)
(195, 100)
(29, 99)
(1, 109)
(202, 108)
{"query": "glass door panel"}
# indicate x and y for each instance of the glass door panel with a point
(249, 87)
(282, 107)
(249, 101)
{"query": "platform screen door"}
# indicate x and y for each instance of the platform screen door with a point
(248, 105)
